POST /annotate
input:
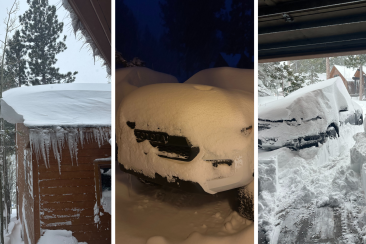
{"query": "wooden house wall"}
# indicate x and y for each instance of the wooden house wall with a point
(26, 193)
(61, 200)
(67, 199)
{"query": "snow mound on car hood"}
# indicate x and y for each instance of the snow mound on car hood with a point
(129, 79)
(75, 104)
(211, 118)
(313, 101)
(226, 78)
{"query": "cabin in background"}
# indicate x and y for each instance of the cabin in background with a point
(350, 77)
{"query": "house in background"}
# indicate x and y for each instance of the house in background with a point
(63, 159)
(350, 77)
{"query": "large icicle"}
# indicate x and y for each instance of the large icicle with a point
(42, 139)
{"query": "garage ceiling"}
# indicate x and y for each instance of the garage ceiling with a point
(298, 29)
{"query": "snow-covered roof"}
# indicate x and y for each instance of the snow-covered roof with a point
(75, 104)
(347, 73)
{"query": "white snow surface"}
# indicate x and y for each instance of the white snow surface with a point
(211, 118)
(73, 104)
(131, 78)
(323, 99)
(347, 73)
(157, 215)
(58, 237)
(106, 201)
(314, 187)
(225, 78)
(314, 108)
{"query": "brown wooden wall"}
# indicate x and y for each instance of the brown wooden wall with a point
(25, 196)
(67, 199)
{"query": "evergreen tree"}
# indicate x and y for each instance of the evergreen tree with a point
(357, 61)
(192, 30)
(310, 68)
(239, 32)
(40, 32)
(15, 63)
(283, 75)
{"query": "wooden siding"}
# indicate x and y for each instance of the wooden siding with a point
(67, 198)
(26, 195)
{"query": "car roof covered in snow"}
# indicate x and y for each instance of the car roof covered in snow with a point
(131, 78)
(309, 102)
(226, 78)
(74, 104)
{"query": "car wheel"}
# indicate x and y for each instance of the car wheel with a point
(246, 201)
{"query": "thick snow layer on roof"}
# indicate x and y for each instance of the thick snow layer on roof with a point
(322, 99)
(76, 104)
(129, 79)
(347, 73)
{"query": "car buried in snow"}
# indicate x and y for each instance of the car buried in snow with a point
(196, 135)
(308, 116)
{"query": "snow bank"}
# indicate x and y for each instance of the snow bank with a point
(311, 183)
(74, 104)
(210, 118)
(58, 237)
(129, 79)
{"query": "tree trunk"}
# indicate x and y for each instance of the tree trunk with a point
(361, 83)
(327, 67)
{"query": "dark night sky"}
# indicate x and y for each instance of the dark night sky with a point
(140, 33)
(148, 12)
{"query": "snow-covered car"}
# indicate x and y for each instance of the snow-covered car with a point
(197, 134)
(308, 116)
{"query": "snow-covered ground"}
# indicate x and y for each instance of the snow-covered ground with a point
(13, 234)
(312, 195)
(150, 214)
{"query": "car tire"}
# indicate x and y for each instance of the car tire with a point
(246, 201)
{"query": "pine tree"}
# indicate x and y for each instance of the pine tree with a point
(192, 31)
(40, 32)
(357, 61)
(239, 32)
(15, 63)
(289, 80)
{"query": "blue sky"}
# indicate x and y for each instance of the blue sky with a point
(77, 56)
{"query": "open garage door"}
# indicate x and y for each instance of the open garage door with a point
(298, 29)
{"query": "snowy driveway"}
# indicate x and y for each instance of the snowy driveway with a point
(154, 214)
(315, 196)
